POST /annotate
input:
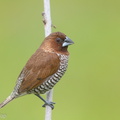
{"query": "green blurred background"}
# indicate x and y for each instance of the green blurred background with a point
(90, 89)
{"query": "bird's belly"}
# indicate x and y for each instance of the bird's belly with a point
(53, 79)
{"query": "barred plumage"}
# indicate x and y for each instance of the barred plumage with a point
(52, 80)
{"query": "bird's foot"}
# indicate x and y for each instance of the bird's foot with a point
(46, 102)
(49, 104)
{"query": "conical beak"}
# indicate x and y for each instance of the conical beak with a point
(67, 42)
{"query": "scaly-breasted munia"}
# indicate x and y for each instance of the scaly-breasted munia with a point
(44, 69)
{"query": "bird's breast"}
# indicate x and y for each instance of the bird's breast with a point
(53, 79)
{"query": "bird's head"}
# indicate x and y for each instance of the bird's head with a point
(56, 42)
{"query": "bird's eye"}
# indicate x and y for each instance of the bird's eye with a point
(59, 40)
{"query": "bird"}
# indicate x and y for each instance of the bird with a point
(43, 69)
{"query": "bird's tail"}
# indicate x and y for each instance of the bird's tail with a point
(6, 101)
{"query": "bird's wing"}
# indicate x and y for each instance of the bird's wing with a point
(40, 66)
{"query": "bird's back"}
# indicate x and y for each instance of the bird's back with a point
(41, 66)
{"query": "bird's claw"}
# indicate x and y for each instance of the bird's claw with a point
(49, 104)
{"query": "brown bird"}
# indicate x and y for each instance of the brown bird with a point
(44, 69)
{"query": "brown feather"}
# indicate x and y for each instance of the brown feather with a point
(40, 66)
(49, 43)
(44, 69)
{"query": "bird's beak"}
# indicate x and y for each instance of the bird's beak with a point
(67, 42)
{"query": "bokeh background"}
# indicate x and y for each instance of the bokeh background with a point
(90, 89)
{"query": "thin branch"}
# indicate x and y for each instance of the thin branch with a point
(47, 17)
(47, 26)
(48, 112)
